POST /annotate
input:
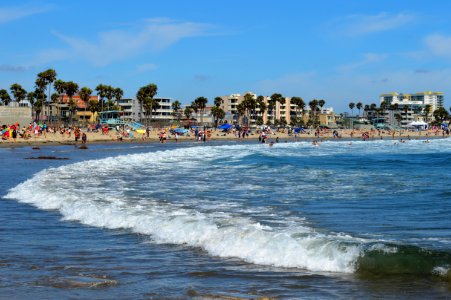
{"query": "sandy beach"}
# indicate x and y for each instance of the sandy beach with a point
(282, 136)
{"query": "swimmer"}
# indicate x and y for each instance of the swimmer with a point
(271, 144)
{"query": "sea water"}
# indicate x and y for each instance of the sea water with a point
(339, 220)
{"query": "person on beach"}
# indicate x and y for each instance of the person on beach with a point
(83, 138)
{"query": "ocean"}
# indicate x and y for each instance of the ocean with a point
(342, 220)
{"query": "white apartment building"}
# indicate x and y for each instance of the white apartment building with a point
(421, 99)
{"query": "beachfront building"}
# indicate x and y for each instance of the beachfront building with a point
(78, 110)
(403, 109)
(282, 112)
(132, 110)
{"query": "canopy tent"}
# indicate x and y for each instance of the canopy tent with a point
(225, 126)
(418, 124)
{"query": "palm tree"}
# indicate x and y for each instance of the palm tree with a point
(45, 79)
(201, 103)
(118, 93)
(40, 97)
(313, 108)
(218, 101)
(101, 92)
(351, 106)
(359, 106)
(187, 112)
(59, 86)
(85, 95)
(276, 97)
(93, 106)
(176, 107)
(321, 104)
(300, 105)
(249, 104)
(218, 113)
(109, 94)
(71, 88)
(261, 106)
(18, 92)
(146, 92)
(398, 118)
(427, 111)
(5, 97)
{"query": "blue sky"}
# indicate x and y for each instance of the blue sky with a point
(339, 51)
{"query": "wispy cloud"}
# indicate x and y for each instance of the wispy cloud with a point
(369, 58)
(151, 35)
(13, 68)
(146, 67)
(439, 45)
(359, 25)
(8, 14)
(201, 77)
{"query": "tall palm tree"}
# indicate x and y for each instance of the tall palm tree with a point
(201, 103)
(351, 106)
(146, 92)
(188, 112)
(18, 92)
(427, 111)
(218, 101)
(5, 97)
(300, 104)
(261, 106)
(93, 106)
(313, 108)
(359, 106)
(176, 107)
(276, 97)
(59, 87)
(109, 94)
(321, 103)
(85, 95)
(101, 92)
(40, 97)
(71, 88)
(45, 79)
(118, 93)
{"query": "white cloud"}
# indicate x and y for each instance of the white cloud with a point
(152, 35)
(8, 14)
(359, 25)
(439, 45)
(146, 67)
(369, 58)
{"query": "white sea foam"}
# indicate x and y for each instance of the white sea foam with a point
(95, 193)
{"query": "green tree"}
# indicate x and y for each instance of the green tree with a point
(144, 95)
(40, 97)
(321, 103)
(351, 106)
(176, 110)
(45, 79)
(6, 99)
(201, 103)
(427, 111)
(300, 105)
(359, 106)
(440, 114)
(85, 95)
(218, 114)
(218, 101)
(18, 92)
(59, 87)
(71, 88)
(188, 112)
(118, 93)
(93, 106)
(101, 92)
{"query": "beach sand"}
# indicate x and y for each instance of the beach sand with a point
(113, 137)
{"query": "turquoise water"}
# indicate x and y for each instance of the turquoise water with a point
(338, 220)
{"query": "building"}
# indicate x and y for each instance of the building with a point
(283, 112)
(403, 109)
(417, 100)
(132, 110)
